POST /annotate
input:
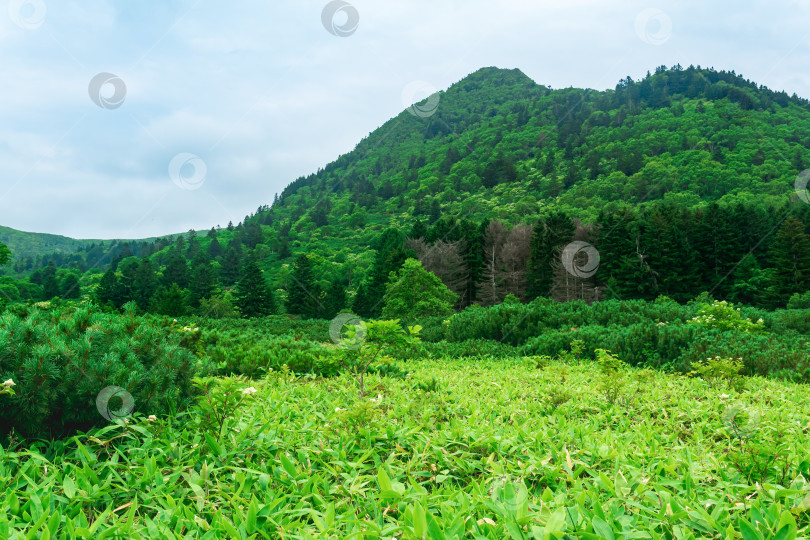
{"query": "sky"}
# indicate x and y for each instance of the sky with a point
(139, 118)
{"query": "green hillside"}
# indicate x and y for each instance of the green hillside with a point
(683, 182)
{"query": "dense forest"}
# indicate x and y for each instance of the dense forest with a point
(674, 185)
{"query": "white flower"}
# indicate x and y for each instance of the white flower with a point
(249, 390)
(9, 382)
(377, 399)
(151, 417)
(723, 396)
(337, 409)
(760, 321)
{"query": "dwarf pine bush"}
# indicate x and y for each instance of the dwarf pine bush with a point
(61, 359)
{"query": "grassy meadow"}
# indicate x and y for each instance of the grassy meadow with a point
(484, 447)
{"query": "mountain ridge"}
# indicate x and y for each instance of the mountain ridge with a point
(497, 134)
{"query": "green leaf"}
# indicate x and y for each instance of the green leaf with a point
(384, 480)
(419, 521)
(748, 531)
(601, 528)
(288, 466)
(213, 445)
(250, 520)
(69, 487)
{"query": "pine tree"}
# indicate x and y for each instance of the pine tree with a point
(202, 280)
(253, 297)
(105, 292)
(176, 270)
(791, 261)
(231, 266)
(549, 236)
(303, 294)
(215, 248)
(390, 256)
(145, 284)
(5, 254)
(69, 287)
(334, 300)
(171, 301)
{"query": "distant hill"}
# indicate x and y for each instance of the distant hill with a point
(498, 145)
(31, 244)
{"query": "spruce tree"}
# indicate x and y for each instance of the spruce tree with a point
(5, 254)
(105, 292)
(69, 288)
(791, 261)
(253, 296)
(171, 301)
(145, 284)
(303, 294)
(176, 270)
(203, 280)
(549, 236)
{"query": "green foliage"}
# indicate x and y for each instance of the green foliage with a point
(61, 359)
(611, 369)
(5, 254)
(719, 370)
(413, 293)
(219, 306)
(431, 463)
(219, 400)
(382, 339)
(253, 297)
(723, 316)
(799, 301)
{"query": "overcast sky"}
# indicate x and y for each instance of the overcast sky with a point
(209, 107)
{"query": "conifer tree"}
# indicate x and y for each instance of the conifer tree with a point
(791, 261)
(303, 294)
(253, 296)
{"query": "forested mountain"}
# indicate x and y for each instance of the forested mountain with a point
(682, 182)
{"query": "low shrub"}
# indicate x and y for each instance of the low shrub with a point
(61, 359)
(470, 348)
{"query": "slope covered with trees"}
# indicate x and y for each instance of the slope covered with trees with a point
(680, 183)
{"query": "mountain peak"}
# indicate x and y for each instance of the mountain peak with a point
(495, 76)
